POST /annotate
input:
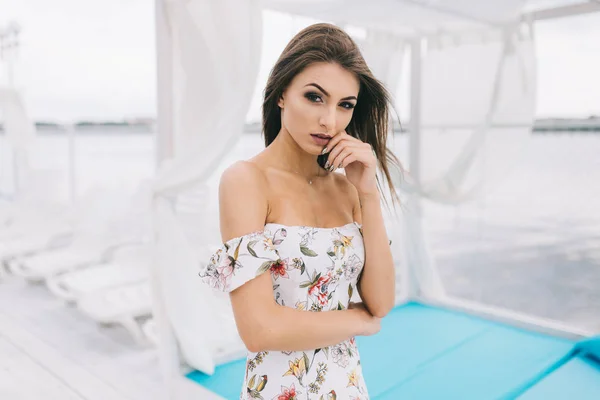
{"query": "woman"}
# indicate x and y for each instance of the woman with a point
(320, 235)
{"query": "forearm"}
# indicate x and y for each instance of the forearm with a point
(289, 329)
(378, 280)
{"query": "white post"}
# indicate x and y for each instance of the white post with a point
(415, 113)
(9, 43)
(414, 199)
(164, 64)
(167, 347)
(70, 128)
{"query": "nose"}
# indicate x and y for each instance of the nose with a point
(328, 120)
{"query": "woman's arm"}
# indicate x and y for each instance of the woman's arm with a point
(261, 322)
(266, 325)
(377, 285)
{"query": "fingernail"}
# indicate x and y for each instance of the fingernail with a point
(324, 150)
(327, 165)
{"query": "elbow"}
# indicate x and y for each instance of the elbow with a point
(253, 346)
(258, 334)
(383, 308)
(381, 312)
(256, 340)
(251, 341)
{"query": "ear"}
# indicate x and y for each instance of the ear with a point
(280, 102)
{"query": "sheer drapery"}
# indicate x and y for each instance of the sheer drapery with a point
(214, 50)
(477, 96)
(20, 134)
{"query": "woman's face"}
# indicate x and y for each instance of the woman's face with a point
(320, 100)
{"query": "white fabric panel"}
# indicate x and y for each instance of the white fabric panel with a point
(475, 97)
(384, 53)
(457, 84)
(18, 128)
(20, 133)
(421, 271)
(216, 47)
(192, 310)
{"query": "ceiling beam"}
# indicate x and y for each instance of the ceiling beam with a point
(563, 11)
(450, 11)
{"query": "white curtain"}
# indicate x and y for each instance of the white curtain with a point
(216, 54)
(18, 128)
(384, 54)
(477, 109)
(215, 49)
(476, 96)
(19, 131)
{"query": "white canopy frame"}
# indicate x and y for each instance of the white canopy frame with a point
(176, 141)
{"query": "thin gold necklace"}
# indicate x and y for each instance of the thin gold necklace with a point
(309, 179)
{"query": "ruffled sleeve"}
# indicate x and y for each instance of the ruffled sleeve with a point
(239, 260)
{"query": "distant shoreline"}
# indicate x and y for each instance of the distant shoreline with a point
(148, 125)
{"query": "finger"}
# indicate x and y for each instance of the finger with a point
(360, 154)
(348, 160)
(343, 135)
(332, 143)
(335, 150)
(338, 149)
(341, 153)
(347, 151)
(352, 138)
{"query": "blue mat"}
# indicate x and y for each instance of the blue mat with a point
(578, 377)
(424, 352)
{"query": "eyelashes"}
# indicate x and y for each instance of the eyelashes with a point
(314, 97)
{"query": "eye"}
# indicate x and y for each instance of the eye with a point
(348, 106)
(312, 96)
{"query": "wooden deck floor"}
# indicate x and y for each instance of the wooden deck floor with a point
(49, 350)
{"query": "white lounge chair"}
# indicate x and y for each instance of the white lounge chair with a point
(27, 220)
(122, 305)
(27, 245)
(130, 264)
(85, 250)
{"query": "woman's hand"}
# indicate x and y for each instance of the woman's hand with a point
(358, 160)
(370, 325)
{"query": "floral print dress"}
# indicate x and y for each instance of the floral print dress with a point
(312, 269)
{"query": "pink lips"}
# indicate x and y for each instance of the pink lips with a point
(321, 140)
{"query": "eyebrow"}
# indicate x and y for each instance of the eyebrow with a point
(327, 94)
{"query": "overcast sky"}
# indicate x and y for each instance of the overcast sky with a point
(89, 59)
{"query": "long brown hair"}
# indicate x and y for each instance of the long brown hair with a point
(325, 42)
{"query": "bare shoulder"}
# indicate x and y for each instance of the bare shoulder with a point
(245, 173)
(243, 200)
(349, 190)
